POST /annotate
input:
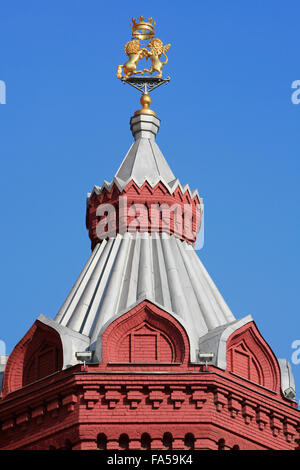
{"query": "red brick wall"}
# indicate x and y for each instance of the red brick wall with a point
(37, 355)
(251, 357)
(163, 405)
(149, 222)
(146, 334)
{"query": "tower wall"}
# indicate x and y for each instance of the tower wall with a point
(151, 400)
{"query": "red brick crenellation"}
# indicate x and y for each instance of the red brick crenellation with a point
(181, 225)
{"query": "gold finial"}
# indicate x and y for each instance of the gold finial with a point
(145, 102)
(143, 30)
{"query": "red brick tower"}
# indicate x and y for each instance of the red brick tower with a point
(166, 363)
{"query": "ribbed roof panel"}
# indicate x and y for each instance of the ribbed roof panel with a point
(130, 268)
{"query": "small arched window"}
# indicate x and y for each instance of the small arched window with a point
(124, 442)
(102, 441)
(189, 441)
(168, 440)
(221, 444)
(68, 445)
(145, 441)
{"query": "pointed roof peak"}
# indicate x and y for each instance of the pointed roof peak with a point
(144, 160)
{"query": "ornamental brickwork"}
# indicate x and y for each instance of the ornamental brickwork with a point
(151, 397)
(153, 210)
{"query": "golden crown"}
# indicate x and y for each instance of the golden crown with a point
(142, 29)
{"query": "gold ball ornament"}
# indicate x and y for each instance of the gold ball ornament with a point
(145, 102)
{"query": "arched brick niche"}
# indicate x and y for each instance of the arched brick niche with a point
(146, 334)
(249, 356)
(37, 355)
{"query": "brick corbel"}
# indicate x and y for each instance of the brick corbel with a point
(261, 417)
(177, 396)
(156, 395)
(198, 396)
(69, 401)
(22, 419)
(276, 423)
(248, 411)
(234, 405)
(220, 399)
(38, 413)
(134, 395)
(112, 396)
(53, 407)
(8, 424)
(289, 429)
(91, 396)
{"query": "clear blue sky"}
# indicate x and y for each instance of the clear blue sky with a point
(228, 128)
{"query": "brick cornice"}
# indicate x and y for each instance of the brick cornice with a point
(75, 398)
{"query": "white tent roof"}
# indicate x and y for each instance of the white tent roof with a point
(130, 268)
